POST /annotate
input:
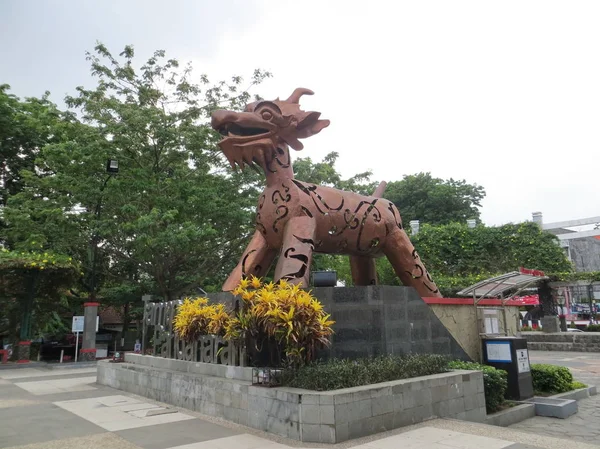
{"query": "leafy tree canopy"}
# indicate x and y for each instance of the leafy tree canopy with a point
(174, 218)
(325, 173)
(435, 201)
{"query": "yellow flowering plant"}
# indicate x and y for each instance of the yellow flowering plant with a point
(282, 318)
(283, 313)
(195, 317)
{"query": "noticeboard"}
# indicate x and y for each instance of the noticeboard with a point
(498, 351)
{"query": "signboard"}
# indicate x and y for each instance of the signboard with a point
(77, 325)
(498, 351)
(491, 326)
(137, 348)
(523, 361)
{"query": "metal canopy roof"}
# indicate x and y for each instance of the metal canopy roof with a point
(500, 284)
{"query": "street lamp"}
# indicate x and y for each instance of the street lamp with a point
(88, 347)
(112, 166)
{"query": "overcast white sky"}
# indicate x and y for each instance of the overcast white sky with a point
(503, 94)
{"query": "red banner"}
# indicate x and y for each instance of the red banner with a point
(524, 270)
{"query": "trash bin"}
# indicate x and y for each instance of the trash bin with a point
(511, 355)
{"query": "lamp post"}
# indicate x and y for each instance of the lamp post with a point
(88, 346)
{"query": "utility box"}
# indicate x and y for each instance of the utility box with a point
(511, 355)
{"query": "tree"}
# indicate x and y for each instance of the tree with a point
(458, 256)
(434, 200)
(25, 127)
(33, 283)
(325, 173)
(175, 217)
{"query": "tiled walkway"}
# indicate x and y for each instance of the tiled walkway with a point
(66, 409)
(585, 425)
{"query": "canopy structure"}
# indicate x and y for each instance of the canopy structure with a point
(499, 286)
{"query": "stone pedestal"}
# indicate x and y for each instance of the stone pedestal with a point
(87, 355)
(88, 343)
(550, 324)
(24, 351)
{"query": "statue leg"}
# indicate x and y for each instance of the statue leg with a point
(408, 265)
(256, 260)
(363, 270)
(296, 251)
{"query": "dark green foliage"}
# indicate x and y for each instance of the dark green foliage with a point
(335, 374)
(435, 201)
(593, 328)
(551, 378)
(456, 250)
(495, 382)
(324, 173)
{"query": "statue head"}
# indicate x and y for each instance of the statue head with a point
(265, 128)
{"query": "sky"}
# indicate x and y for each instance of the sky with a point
(502, 94)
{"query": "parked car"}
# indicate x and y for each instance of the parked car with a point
(573, 330)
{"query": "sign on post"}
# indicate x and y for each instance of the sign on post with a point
(523, 361)
(78, 322)
(77, 325)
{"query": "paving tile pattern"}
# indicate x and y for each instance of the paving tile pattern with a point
(43, 409)
(583, 426)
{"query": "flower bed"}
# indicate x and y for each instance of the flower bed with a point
(279, 324)
(309, 416)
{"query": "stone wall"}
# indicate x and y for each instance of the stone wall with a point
(382, 319)
(563, 341)
(308, 416)
(376, 320)
(462, 323)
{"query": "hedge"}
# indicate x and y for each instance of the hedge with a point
(337, 373)
(551, 378)
(495, 382)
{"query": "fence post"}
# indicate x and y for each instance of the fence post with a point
(146, 299)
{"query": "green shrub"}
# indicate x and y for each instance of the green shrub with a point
(551, 378)
(577, 385)
(495, 382)
(593, 328)
(526, 329)
(336, 373)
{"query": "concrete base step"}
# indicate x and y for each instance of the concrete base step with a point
(554, 408)
(549, 346)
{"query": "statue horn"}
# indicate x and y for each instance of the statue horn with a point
(295, 97)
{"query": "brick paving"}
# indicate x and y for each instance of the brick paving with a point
(66, 409)
(583, 426)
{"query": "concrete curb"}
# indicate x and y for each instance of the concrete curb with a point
(511, 416)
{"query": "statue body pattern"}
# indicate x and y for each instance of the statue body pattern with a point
(294, 219)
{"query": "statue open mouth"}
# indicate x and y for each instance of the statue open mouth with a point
(235, 130)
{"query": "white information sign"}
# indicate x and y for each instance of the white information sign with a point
(498, 351)
(77, 324)
(78, 321)
(523, 361)
(491, 325)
